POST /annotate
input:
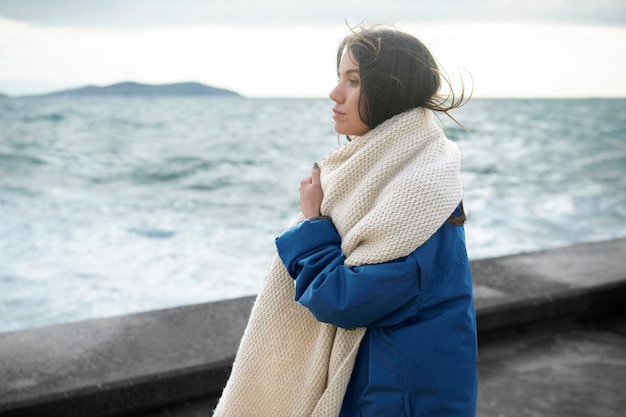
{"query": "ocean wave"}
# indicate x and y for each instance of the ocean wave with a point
(117, 206)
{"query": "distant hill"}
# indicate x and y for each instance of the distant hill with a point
(3, 96)
(138, 89)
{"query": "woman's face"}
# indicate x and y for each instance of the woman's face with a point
(346, 97)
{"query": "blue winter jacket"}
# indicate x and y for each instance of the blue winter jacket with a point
(418, 356)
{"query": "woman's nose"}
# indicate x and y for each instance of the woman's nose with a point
(334, 94)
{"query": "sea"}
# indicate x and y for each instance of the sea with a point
(117, 205)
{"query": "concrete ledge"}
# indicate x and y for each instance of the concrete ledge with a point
(579, 280)
(123, 364)
(131, 364)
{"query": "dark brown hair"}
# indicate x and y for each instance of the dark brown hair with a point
(398, 73)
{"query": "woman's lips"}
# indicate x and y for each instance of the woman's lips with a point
(337, 113)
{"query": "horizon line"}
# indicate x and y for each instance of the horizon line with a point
(262, 96)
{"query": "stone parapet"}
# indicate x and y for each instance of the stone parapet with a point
(140, 362)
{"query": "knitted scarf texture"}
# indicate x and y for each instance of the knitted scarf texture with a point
(387, 192)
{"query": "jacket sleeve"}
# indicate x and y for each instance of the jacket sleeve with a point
(364, 296)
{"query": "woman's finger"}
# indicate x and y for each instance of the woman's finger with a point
(315, 174)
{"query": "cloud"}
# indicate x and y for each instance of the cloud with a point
(154, 13)
(547, 48)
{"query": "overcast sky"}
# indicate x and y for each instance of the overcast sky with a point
(285, 48)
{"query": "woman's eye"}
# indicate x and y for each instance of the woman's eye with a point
(353, 82)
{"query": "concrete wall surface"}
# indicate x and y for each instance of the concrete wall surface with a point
(134, 363)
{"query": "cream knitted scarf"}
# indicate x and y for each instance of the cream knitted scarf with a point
(387, 192)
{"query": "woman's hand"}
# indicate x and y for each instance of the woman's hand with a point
(311, 194)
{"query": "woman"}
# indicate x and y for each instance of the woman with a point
(383, 320)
